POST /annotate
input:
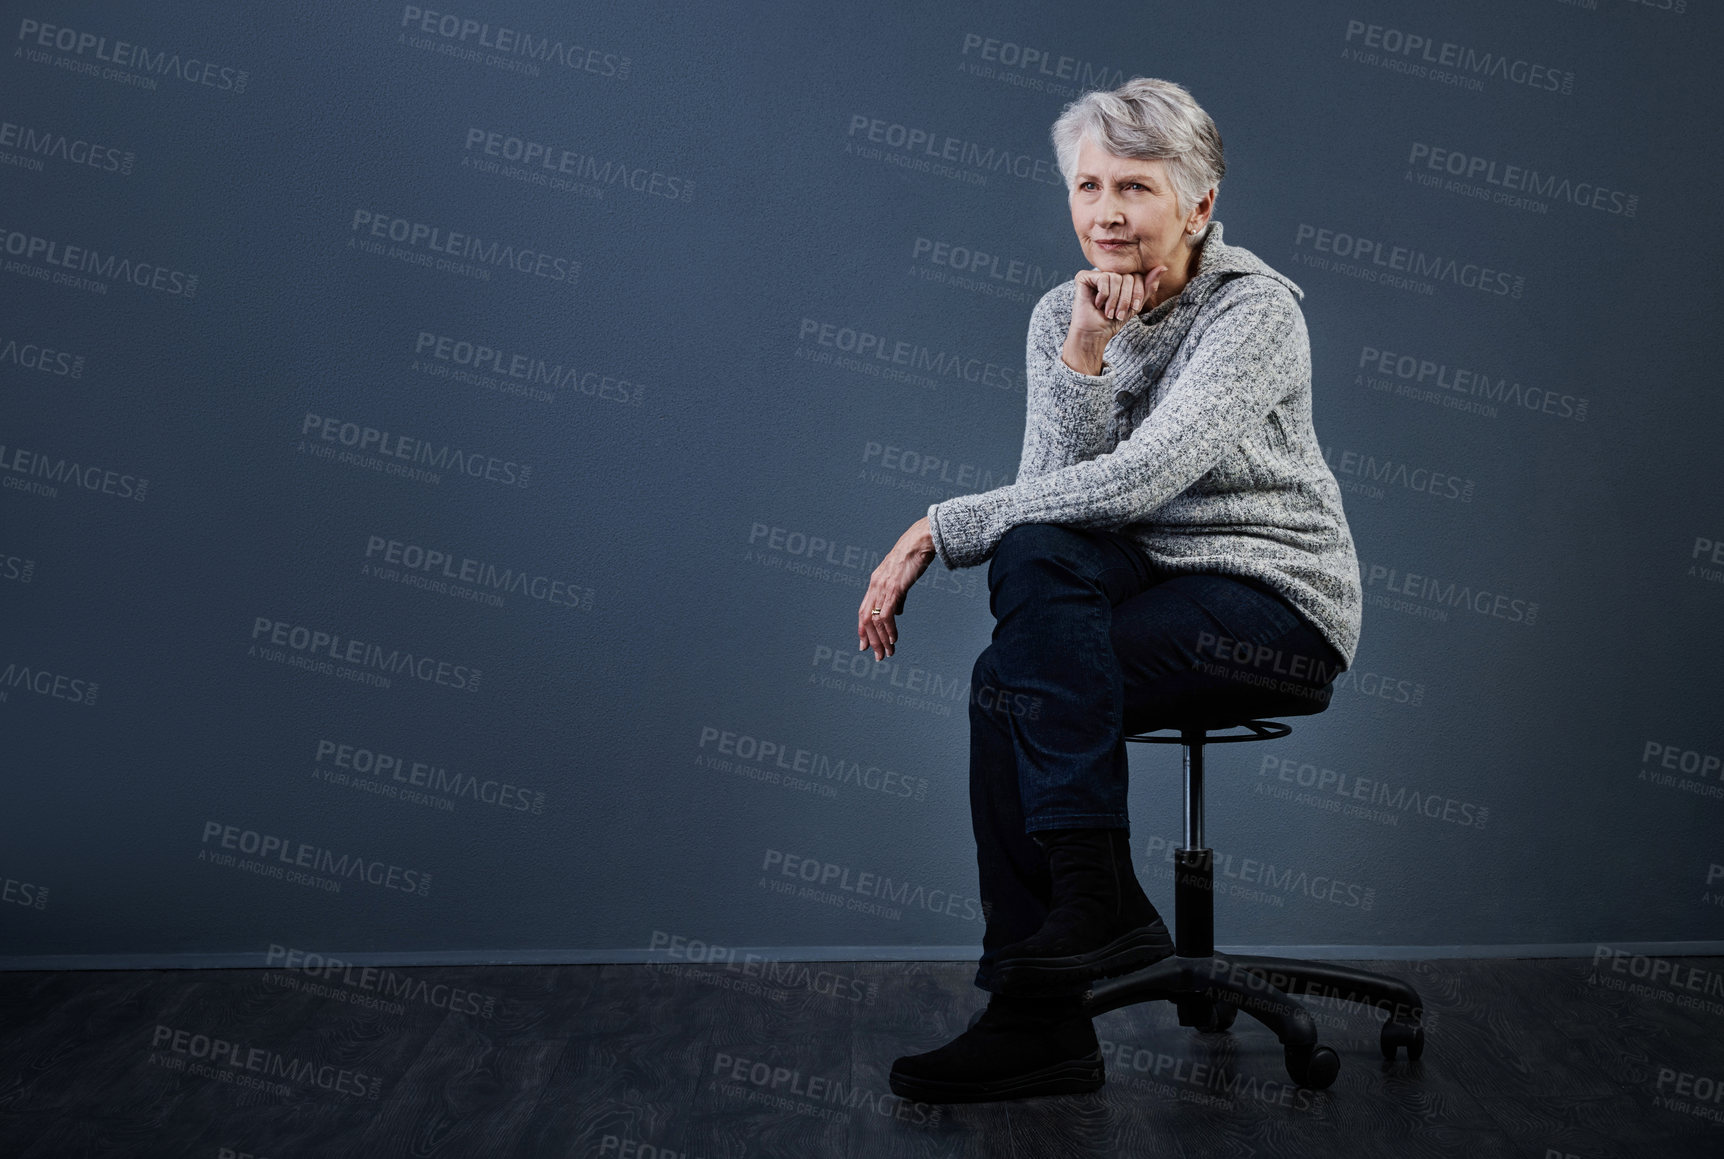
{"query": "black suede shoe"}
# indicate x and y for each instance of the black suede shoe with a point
(1099, 926)
(1015, 1049)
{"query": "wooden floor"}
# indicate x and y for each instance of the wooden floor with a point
(1537, 1059)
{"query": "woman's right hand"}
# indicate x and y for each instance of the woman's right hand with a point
(1102, 303)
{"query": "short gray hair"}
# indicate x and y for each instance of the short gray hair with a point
(1148, 119)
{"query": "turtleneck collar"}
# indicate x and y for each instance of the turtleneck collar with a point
(1217, 262)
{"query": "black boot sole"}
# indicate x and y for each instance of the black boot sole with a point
(1132, 950)
(1077, 1076)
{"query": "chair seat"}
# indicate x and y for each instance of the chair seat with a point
(1218, 708)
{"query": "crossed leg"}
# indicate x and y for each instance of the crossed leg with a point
(1090, 642)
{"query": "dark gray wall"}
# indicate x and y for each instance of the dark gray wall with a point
(766, 335)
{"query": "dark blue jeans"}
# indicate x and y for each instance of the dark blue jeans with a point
(1091, 642)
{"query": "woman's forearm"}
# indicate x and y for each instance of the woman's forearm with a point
(1085, 358)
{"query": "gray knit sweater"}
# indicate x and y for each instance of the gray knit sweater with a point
(1195, 440)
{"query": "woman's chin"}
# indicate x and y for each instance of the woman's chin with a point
(1117, 263)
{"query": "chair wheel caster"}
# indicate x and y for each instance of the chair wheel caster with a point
(1397, 1034)
(1312, 1067)
(1207, 1015)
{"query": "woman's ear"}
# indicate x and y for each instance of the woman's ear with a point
(1200, 213)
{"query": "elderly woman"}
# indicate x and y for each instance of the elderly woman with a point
(1171, 505)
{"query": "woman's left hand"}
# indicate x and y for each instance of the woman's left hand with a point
(891, 581)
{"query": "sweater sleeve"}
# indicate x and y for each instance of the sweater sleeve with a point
(1252, 354)
(1066, 414)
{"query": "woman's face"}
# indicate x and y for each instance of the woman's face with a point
(1131, 201)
